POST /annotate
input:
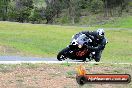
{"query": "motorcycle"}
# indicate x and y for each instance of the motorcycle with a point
(77, 50)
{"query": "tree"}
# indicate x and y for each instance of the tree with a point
(53, 9)
(4, 9)
(113, 6)
(96, 6)
(37, 15)
(21, 10)
(74, 10)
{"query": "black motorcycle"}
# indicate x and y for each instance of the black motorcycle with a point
(77, 50)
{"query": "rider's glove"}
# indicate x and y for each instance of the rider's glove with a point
(92, 48)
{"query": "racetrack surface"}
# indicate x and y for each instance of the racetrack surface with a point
(20, 59)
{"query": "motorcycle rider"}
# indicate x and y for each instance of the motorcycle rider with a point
(98, 42)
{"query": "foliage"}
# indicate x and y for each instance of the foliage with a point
(59, 11)
(53, 9)
(20, 10)
(36, 15)
(4, 9)
(96, 6)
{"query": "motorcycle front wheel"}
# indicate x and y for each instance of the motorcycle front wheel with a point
(62, 55)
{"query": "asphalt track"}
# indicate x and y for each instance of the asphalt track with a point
(20, 59)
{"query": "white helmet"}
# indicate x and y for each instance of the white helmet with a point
(100, 33)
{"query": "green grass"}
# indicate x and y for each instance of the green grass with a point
(43, 40)
(47, 40)
(119, 47)
(98, 20)
(119, 22)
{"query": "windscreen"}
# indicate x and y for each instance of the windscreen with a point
(82, 39)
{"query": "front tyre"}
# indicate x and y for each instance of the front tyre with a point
(62, 55)
(84, 59)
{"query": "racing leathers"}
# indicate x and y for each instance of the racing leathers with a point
(98, 44)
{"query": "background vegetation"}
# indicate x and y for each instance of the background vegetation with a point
(63, 11)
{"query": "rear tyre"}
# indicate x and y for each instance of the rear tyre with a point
(62, 55)
(97, 59)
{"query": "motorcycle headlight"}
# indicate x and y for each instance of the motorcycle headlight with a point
(79, 46)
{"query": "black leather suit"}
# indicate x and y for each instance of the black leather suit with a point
(98, 44)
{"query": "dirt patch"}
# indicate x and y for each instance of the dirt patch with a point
(56, 76)
(9, 50)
